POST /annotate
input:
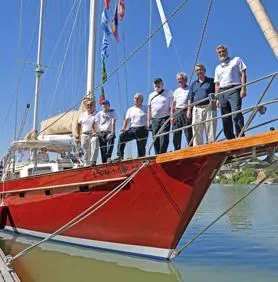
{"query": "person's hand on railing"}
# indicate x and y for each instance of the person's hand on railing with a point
(173, 121)
(242, 93)
(189, 113)
(217, 103)
(213, 105)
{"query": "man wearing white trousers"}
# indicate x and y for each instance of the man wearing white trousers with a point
(203, 111)
(89, 143)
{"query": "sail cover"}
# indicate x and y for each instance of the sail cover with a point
(64, 123)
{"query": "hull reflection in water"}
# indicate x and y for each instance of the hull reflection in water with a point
(61, 262)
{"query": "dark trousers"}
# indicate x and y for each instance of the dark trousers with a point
(106, 145)
(230, 102)
(181, 121)
(140, 134)
(161, 143)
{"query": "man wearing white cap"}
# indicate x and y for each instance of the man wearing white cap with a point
(137, 117)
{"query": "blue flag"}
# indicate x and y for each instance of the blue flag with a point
(105, 23)
(104, 47)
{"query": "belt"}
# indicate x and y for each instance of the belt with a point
(201, 106)
(229, 87)
(87, 133)
(161, 117)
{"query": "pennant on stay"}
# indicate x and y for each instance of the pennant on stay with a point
(121, 9)
(167, 32)
(106, 4)
(105, 23)
(104, 47)
(115, 23)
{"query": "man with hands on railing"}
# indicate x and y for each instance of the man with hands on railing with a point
(89, 142)
(159, 106)
(230, 73)
(179, 117)
(203, 111)
(104, 128)
(137, 117)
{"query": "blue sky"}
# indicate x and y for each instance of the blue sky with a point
(230, 22)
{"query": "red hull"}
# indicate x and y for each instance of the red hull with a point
(153, 210)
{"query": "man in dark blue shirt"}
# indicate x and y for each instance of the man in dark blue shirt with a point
(203, 111)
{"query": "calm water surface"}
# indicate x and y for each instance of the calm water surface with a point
(242, 246)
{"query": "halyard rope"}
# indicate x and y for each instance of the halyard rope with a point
(201, 40)
(178, 252)
(92, 209)
(130, 56)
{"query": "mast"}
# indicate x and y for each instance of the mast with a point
(265, 24)
(92, 50)
(39, 70)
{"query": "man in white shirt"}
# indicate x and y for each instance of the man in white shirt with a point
(231, 72)
(89, 143)
(159, 105)
(137, 117)
(179, 104)
(104, 128)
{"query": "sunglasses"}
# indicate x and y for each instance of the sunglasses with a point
(90, 105)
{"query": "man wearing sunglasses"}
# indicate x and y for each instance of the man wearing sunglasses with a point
(89, 143)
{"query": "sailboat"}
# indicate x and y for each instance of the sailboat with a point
(139, 206)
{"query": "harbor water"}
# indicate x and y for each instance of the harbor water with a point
(241, 246)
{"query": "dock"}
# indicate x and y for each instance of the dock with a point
(6, 274)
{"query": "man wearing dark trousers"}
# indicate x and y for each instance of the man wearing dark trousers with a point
(180, 119)
(137, 117)
(159, 105)
(104, 128)
(231, 72)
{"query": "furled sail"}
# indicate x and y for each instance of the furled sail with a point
(60, 124)
(65, 123)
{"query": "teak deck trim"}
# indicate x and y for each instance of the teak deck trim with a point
(227, 147)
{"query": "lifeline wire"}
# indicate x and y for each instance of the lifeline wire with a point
(178, 252)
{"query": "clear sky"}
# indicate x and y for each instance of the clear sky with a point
(230, 22)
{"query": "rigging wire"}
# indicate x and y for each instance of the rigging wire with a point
(201, 39)
(128, 147)
(175, 253)
(64, 57)
(61, 34)
(17, 71)
(129, 57)
(178, 55)
(149, 50)
(20, 79)
(83, 215)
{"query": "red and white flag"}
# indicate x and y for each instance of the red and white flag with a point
(121, 9)
(106, 4)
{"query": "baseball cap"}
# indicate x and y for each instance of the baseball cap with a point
(105, 102)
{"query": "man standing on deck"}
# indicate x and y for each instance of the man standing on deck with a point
(231, 72)
(89, 143)
(104, 127)
(179, 104)
(159, 105)
(204, 110)
(137, 116)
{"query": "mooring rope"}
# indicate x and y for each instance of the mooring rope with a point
(175, 253)
(92, 209)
